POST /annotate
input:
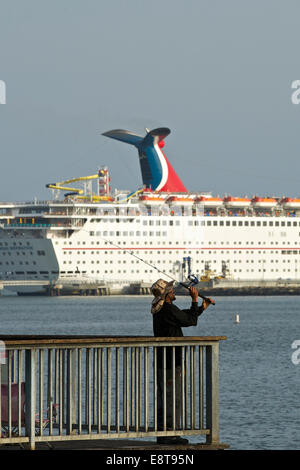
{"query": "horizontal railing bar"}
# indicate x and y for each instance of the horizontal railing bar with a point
(132, 429)
(170, 343)
(23, 341)
(16, 440)
(111, 435)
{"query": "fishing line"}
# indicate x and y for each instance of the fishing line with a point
(193, 280)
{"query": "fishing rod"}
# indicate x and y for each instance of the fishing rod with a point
(193, 279)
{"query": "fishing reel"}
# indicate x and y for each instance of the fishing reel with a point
(193, 280)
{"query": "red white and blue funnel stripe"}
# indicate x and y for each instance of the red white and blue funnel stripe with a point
(157, 172)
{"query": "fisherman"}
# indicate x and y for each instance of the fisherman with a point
(168, 320)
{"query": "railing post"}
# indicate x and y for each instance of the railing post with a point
(212, 393)
(71, 390)
(30, 395)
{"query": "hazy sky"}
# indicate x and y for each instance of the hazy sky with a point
(218, 73)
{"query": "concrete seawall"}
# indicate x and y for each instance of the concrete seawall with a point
(230, 287)
(208, 288)
(250, 291)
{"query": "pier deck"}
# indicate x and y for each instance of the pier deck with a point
(117, 445)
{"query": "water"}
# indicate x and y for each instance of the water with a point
(259, 383)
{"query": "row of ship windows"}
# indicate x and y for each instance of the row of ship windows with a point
(197, 271)
(16, 253)
(195, 242)
(245, 223)
(20, 262)
(145, 222)
(15, 244)
(286, 252)
(138, 233)
(39, 252)
(128, 234)
(172, 262)
(216, 223)
(185, 252)
(158, 262)
(31, 273)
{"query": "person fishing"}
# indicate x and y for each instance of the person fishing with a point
(168, 320)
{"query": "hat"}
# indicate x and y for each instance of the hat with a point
(160, 289)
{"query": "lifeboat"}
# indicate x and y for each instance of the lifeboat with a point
(290, 203)
(263, 202)
(236, 201)
(152, 199)
(179, 201)
(210, 201)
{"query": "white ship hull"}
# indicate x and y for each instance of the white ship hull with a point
(98, 248)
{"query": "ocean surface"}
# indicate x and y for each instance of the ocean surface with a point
(259, 381)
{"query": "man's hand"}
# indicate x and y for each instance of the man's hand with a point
(207, 302)
(193, 294)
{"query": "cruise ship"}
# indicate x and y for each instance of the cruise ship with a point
(90, 235)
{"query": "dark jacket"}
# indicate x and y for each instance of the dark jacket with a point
(168, 323)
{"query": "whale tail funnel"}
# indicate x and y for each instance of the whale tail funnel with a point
(157, 172)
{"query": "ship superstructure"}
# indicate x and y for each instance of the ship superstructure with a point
(88, 236)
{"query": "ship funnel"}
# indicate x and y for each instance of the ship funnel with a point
(157, 173)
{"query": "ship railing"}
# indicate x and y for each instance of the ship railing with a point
(80, 388)
(196, 210)
(46, 225)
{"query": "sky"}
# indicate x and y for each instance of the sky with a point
(217, 73)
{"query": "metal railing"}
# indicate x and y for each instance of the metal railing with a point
(78, 388)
